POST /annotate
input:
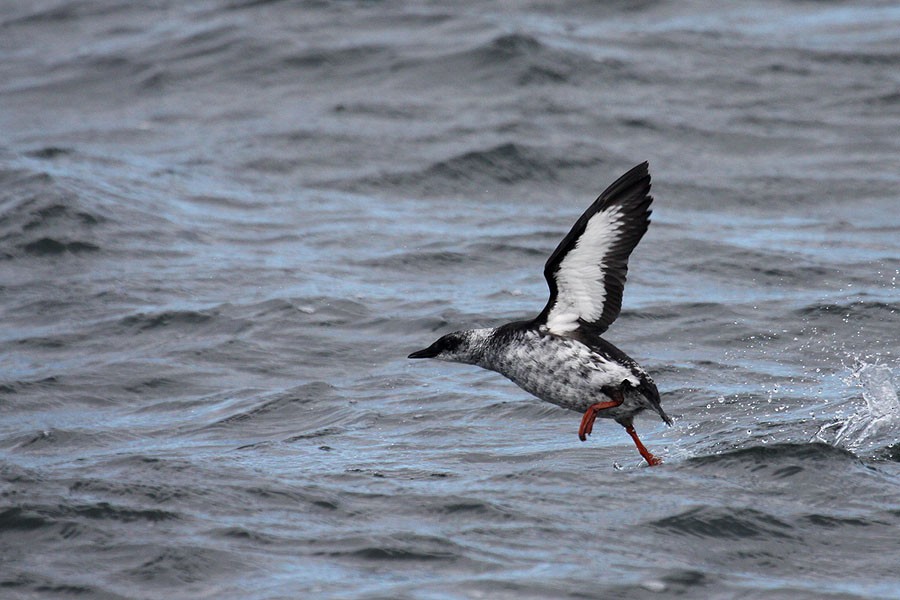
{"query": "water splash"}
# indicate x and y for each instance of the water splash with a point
(877, 424)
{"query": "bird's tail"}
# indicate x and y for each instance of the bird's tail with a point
(666, 418)
(648, 389)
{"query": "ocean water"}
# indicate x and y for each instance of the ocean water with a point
(224, 224)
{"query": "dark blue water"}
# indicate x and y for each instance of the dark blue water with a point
(224, 225)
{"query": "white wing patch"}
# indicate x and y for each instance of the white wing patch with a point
(579, 278)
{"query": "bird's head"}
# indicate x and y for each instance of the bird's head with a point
(460, 346)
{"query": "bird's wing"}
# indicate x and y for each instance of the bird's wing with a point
(586, 272)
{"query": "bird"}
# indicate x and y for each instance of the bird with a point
(559, 356)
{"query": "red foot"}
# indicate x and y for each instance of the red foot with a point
(651, 460)
(587, 421)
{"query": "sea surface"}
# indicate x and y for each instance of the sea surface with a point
(225, 223)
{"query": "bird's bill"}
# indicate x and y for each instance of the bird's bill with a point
(429, 352)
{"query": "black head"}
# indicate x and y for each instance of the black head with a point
(460, 346)
(443, 349)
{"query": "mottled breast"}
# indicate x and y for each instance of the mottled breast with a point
(557, 369)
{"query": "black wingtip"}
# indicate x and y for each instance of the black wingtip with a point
(637, 171)
(637, 174)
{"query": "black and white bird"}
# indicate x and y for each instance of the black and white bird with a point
(559, 355)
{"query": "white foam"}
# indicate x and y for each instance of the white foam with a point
(875, 425)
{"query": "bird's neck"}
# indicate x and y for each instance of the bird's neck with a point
(476, 342)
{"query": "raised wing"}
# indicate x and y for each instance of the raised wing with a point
(586, 273)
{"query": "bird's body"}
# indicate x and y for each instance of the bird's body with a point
(559, 369)
(559, 356)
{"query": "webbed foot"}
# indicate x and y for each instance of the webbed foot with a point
(587, 421)
(651, 460)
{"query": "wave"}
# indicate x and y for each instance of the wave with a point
(40, 217)
(851, 310)
(856, 57)
(417, 261)
(764, 267)
(515, 59)
(772, 456)
(399, 547)
(308, 411)
(181, 565)
(29, 517)
(180, 319)
(329, 61)
(49, 152)
(724, 523)
(505, 164)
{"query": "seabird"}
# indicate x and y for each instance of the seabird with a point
(559, 355)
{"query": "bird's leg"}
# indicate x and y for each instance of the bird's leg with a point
(587, 421)
(651, 460)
